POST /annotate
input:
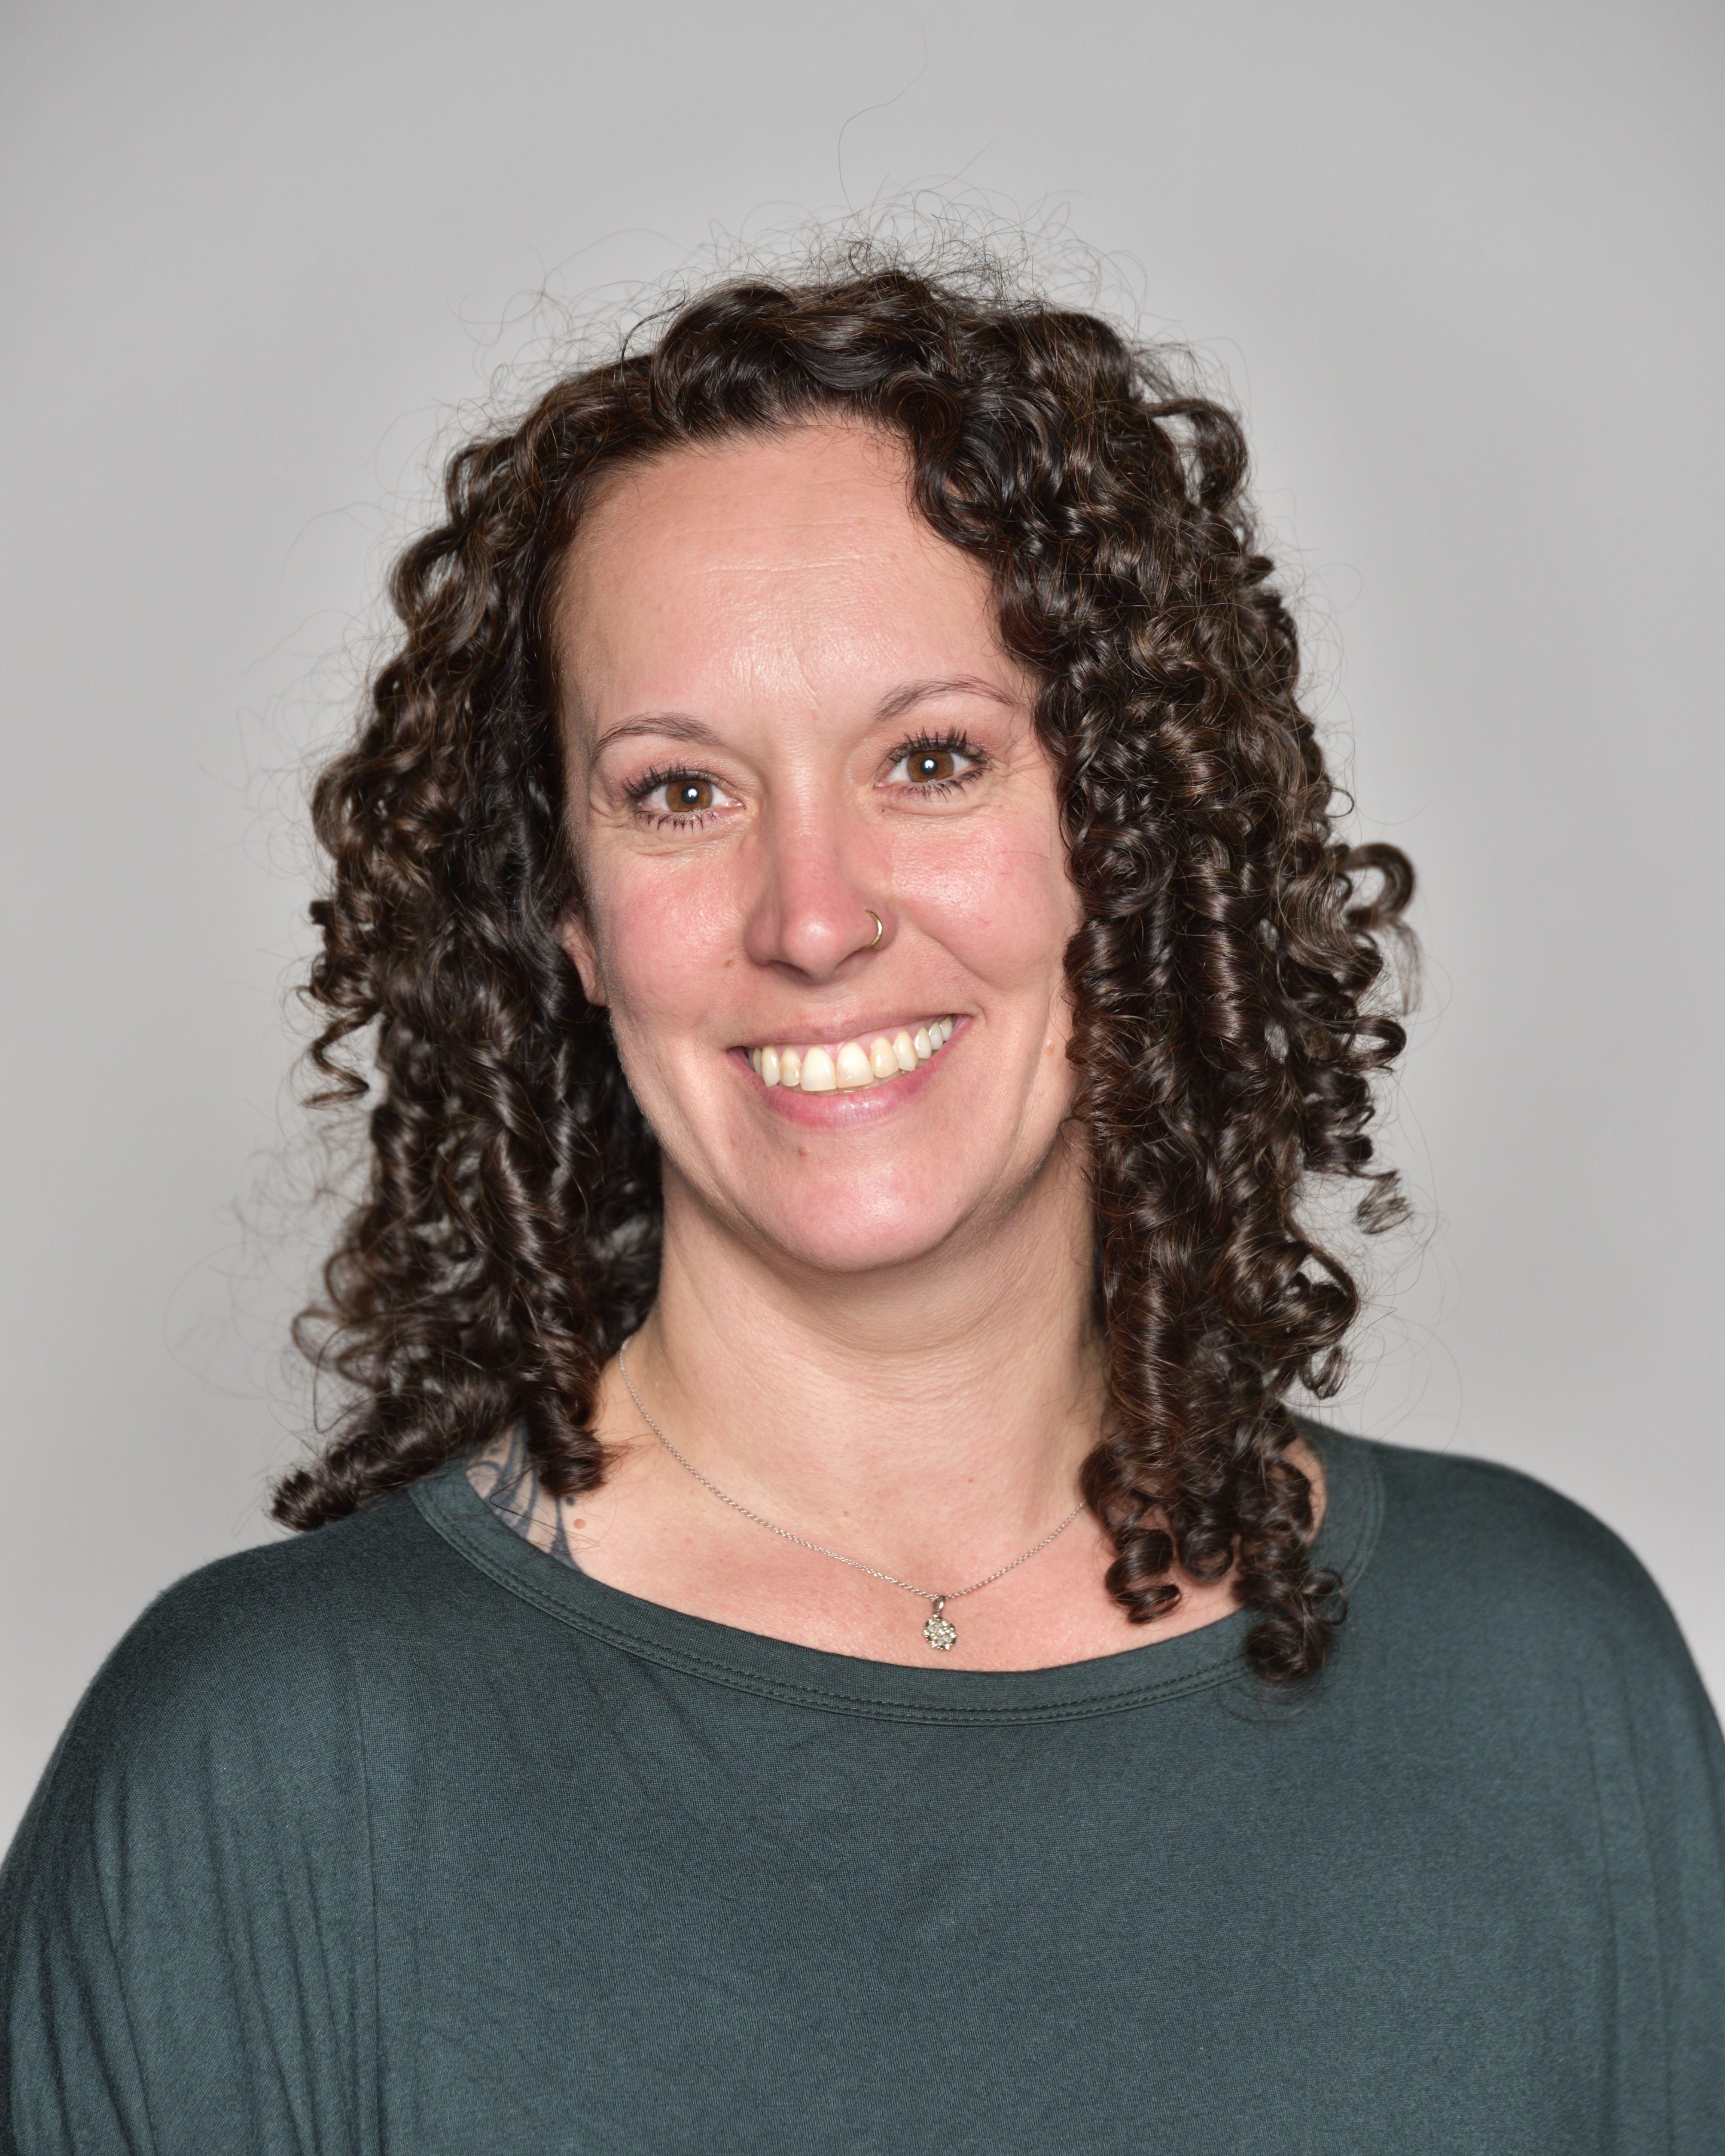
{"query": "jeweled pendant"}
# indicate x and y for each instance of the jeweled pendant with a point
(940, 1632)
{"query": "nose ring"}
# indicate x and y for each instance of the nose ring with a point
(879, 927)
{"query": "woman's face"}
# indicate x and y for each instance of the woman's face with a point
(789, 714)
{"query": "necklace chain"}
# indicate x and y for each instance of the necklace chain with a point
(936, 1623)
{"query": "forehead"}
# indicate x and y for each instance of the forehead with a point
(788, 565)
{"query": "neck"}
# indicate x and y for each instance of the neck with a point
(949, 1401)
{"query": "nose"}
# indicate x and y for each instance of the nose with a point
(811, 913)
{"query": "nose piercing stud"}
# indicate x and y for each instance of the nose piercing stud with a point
(880, 926)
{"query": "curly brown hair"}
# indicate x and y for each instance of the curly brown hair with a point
(1226, 978)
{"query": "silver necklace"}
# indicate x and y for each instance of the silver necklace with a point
(940, 1631)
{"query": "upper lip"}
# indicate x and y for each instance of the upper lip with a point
(801, 1036)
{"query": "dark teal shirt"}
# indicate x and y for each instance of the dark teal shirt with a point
(401, 1836)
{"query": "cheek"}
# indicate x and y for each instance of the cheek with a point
(999, 900)
(667, 940)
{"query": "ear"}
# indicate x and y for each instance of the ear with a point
(572, 934)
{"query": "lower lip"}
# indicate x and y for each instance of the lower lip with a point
(853, 1110)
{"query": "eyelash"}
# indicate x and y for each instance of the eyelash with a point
(956, 743)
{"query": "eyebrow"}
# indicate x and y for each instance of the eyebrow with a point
(951, 684)
(673, 725)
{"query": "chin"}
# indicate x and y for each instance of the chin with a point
(832, 1236)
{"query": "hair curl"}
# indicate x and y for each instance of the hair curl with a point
(1224, 977)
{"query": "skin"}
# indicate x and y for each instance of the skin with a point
(873, 1325)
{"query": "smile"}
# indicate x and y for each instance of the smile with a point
(852, 1064)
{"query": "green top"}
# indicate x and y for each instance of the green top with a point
(404, 1836)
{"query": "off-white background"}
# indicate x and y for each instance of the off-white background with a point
(1461, 264)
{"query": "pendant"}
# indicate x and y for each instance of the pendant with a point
(940, 1632)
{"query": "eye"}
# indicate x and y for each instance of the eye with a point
(937, 766)
(678, 797)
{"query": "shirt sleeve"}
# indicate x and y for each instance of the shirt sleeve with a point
(185, 1952)
(1589, 1650)
(1660, 1775)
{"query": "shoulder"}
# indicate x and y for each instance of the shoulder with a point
(1468, 1548)
(204, 1834)
(263, 1613)
(1493, 1622)
(243, 1675)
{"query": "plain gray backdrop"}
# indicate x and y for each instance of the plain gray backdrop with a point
(1459, 265)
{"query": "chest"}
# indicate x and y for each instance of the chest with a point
(697, 1920)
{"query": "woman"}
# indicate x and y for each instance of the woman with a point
(822, 1632)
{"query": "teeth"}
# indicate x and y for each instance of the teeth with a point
(856, 1064)
(854, 1068)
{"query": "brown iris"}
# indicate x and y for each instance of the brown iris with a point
(689, 796)
(928, 767)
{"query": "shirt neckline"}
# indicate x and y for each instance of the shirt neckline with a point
(815, 1678)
